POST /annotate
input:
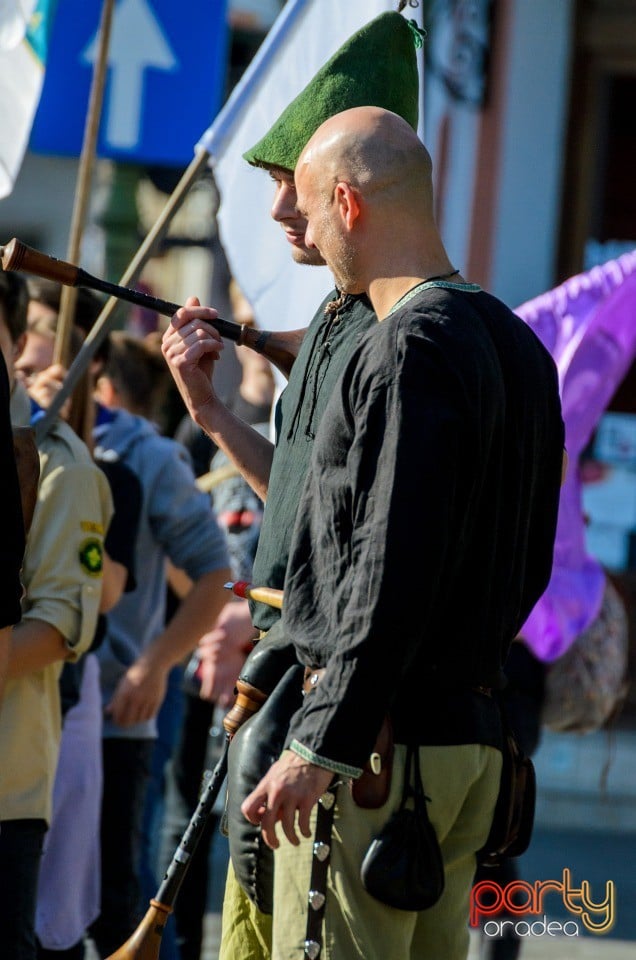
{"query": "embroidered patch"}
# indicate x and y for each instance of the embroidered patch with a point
(91, 556)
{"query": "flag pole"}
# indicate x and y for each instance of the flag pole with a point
(101, 327)
(84, 176)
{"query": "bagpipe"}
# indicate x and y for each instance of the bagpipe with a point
(260, 678)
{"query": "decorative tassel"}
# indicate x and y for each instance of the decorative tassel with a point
(419, 34)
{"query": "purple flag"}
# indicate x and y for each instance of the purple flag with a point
(589, 326)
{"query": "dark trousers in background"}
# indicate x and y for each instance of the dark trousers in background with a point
(73, 953)
(20, 855)
(169, 720)
(126, 773)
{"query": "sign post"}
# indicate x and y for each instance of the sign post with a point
(166, 79)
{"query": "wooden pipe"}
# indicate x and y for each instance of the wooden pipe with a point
(246, 591)
(280, 348)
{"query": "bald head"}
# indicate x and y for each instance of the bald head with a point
(374, 150)
(364, 182)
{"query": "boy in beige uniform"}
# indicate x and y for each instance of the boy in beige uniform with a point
(62, 573)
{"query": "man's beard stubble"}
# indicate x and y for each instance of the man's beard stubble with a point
(342, 266)
(343, 275)
(337, 249)
(306, 257)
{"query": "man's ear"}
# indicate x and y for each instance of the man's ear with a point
(348, 201)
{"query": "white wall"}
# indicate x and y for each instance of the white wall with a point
(534, 123)
(460, 176)
(533, 144)
(454, 220)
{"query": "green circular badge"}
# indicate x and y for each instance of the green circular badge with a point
(91, 557)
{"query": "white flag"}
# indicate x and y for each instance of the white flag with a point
(24, 26)
(307, 33)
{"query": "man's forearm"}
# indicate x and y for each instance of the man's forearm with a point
(250, 452)
(34, 645)
(195, 616)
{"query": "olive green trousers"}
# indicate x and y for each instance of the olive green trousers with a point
(246, 933)
(462, 783)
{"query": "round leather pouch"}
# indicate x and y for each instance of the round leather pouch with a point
(403, 866)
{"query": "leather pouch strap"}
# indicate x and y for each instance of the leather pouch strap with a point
(371, 790)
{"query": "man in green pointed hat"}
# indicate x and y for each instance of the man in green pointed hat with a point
(449, 403)
(376, 66)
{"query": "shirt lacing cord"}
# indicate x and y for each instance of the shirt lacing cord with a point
(318, 362)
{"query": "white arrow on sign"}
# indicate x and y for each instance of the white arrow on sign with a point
(137, 43)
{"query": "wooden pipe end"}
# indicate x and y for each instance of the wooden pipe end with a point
(17, 256)
(145, 942)
(8, 254)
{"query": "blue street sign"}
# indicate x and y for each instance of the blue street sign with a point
(165, 81)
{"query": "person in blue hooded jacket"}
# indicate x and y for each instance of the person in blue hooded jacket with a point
(139, 649)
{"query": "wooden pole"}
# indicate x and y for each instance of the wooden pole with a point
(82, 189)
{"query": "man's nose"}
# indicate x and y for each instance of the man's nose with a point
(309, 238)
(284, 205)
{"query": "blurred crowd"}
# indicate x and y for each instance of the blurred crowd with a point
(112, 673)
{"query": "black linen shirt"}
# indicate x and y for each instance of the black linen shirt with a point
(326, 349)
(425, 532)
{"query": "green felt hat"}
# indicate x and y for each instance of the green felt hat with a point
(376, 67)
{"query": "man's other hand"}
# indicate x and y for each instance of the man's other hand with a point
(291, 786)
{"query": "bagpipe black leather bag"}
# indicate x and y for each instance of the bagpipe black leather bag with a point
(403, 866)
(254, 748)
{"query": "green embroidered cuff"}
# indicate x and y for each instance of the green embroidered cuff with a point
(344, 769)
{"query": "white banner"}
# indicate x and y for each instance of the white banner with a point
(23, 26)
